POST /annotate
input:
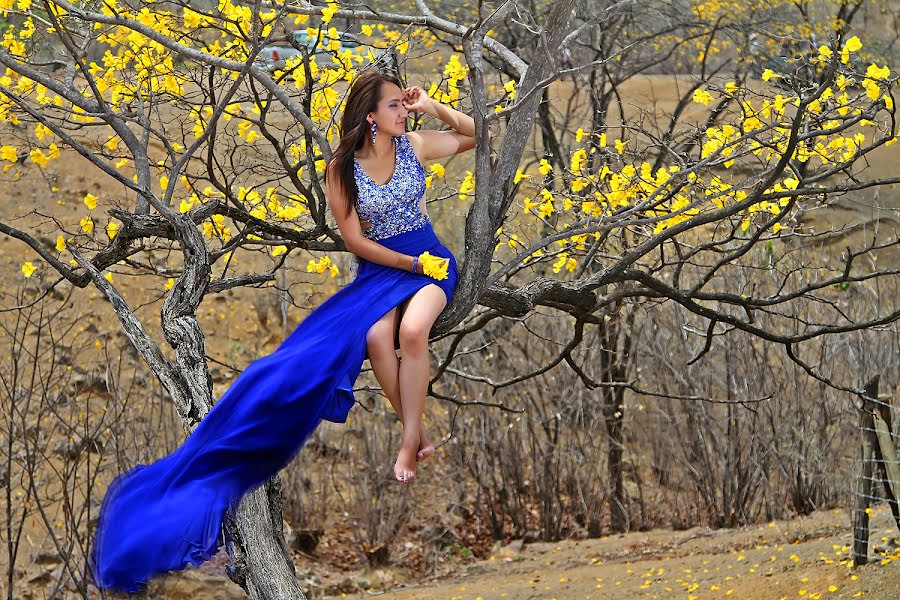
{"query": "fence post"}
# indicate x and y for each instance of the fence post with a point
(886, 458)
(864, 479)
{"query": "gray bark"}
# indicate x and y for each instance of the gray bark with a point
(492, 201)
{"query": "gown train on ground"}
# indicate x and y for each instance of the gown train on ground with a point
(168, 514)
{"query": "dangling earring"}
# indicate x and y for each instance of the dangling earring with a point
(373, 133)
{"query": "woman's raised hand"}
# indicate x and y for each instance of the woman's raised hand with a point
(415, 99)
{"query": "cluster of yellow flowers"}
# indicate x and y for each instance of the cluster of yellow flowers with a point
(319, 266)
(435, 266)
(762, 131)
(454, 71)
(136, 65)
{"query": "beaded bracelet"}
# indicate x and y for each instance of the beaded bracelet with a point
(415, 262)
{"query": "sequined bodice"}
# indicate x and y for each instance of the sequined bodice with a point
(398, 205)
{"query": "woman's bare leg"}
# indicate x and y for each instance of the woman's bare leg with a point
(386, 367)
(383, 357)
(421, 311)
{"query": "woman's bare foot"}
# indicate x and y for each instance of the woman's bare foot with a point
(426, 448)
(405, 467)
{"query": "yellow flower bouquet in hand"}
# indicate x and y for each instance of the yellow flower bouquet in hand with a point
(434, 266)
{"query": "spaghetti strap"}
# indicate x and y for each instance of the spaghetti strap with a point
(168, 515)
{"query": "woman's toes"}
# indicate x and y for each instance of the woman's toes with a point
(405, 467)
(425, 453)
(404, 475)
(426, 448)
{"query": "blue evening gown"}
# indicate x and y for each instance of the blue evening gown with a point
(168, 514)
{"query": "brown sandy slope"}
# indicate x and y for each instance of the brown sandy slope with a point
(801, 558)
(804, 558)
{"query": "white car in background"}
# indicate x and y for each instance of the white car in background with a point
(274, 56)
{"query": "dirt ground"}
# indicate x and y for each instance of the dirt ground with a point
(801, 558)
(808, 557)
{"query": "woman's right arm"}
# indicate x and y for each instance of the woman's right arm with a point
(351, 231)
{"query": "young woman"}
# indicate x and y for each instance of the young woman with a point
(166, 515)
(375, 185)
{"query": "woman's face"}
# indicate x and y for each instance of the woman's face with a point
(390, 116)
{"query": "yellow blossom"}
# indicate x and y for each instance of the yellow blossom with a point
(510, 88)
(578, 159)
(546, 208)
(872, 89)
(90, 201)
(38, 157)
(328, 12)
(8, 153)
(545, 167)
(28, 269)
(455, 70)
(702, 97)
(467, 186)
(874, 72)
(41, 131)
(320, 266)
(434, 266)
(853, 45)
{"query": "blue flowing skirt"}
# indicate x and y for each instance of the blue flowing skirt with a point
(168, 515)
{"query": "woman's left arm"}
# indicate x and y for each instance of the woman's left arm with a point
(461, 122)
(438, 144)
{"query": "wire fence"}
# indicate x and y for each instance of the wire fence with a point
(878, 474)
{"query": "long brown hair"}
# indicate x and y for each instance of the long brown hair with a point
(363, 98)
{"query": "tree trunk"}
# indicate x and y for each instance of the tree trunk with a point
(613, 361)
(261, 562)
